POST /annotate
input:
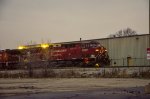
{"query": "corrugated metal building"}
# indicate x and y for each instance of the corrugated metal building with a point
(126, 51)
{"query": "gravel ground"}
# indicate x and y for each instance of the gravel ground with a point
(83, 88)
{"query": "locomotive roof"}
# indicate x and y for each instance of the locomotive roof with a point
(11, 51)
(79, 42)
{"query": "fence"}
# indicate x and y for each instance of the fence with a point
(130, 62)
(113, 62)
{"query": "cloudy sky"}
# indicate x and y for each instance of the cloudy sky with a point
(23, 21)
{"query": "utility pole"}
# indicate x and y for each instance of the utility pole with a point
(149, 46)
(149, 39)
(30, 63)
(45, 54)
(81, 47)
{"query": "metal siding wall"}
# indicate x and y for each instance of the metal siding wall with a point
(121, 48)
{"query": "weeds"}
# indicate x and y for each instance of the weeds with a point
(72, 73)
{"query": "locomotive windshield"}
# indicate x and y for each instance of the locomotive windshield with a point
(91, 44)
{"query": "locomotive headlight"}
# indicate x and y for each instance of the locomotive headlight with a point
(21, 47)
(44, 46)
(97, 50)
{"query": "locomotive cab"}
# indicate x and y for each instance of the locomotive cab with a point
(94, 53)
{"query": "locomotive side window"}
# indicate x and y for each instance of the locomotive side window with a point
(65, 46)
(83, 46)
(68, 45)
(87, 45)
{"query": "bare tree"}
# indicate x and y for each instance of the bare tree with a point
(124, 32)
(112, 36)
(119, 34)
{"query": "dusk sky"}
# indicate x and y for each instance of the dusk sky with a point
(23, 21)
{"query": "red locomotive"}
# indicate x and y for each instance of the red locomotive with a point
(80, 54)
(9, 58)
(69, 54)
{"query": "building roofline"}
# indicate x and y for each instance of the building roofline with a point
(103, 38)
